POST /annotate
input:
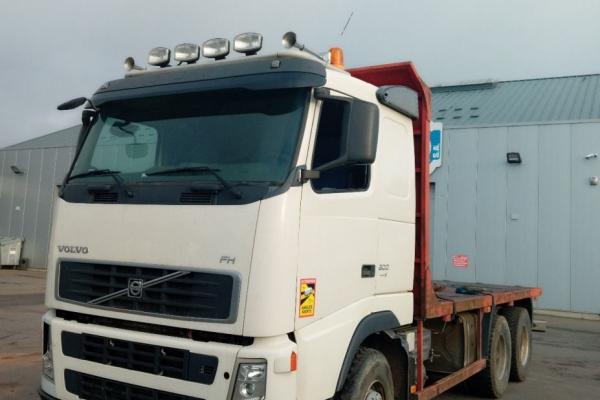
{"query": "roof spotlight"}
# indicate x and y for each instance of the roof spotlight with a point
(248, 43)
(187, 52)
(129, 65)
(159, 56)
(217, 48)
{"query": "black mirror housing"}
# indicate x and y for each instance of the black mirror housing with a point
(71, 104)
(360, 132)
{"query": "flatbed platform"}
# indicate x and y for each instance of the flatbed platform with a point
(464, 296)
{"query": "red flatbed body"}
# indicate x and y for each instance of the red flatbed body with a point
(442, 299)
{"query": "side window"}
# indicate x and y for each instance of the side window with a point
(328, 148)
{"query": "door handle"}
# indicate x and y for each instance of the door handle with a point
(367, 271)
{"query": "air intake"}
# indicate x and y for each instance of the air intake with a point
(106, 197)
(197, 197)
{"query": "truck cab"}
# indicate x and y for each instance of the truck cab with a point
(237, 229)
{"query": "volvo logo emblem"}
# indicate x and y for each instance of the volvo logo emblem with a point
(73, 249)
(135, 288)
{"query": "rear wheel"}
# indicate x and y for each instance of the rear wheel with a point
(519, 324)
(370, 377)
(493, 380)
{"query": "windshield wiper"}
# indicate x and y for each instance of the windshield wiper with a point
(102, 172)
(200, 170)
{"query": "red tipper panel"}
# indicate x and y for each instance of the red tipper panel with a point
(405, 74)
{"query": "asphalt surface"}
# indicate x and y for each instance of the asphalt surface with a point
(565, 365)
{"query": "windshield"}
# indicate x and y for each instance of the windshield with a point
(245, 136)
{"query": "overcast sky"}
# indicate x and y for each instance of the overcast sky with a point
(55, 50)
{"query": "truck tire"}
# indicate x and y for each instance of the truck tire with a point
(519, 324)
(493, 380)
(370, 377)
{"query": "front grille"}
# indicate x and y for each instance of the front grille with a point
(91, 387)
(157, 360)
(162, 291)
(201, 336)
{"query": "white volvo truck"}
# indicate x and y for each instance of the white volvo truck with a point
(257, 228)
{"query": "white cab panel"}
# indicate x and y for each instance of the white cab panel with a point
(186, 237)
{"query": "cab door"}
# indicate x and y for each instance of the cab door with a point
(338, 228)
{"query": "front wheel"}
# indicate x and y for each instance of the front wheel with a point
(370, 377)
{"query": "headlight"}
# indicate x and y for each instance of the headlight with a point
(251, 381)
(47, 364)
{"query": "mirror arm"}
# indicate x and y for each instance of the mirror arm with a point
(306, 175)
(331, 165)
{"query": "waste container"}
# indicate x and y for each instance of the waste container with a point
(10, 251)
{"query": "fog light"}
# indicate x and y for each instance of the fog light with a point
(47, 362)
(248, 43)
(187, 52)
(159, 56)
(215, 48)
(251, 382)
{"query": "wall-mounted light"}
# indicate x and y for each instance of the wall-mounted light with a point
(16, 170)
(513, 158)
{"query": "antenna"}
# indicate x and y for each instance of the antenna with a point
(347, 23)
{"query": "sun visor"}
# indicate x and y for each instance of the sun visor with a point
(261, 74)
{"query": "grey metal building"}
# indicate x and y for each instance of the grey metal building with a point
(531, 223)
(29, 175)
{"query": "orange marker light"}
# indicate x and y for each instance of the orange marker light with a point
(293, 361)
(336, 57)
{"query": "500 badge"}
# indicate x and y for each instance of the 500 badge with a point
(308, 297)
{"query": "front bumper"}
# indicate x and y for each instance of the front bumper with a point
(281, 382)
(45, 396)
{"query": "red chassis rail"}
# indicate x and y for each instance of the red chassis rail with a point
(440, 299)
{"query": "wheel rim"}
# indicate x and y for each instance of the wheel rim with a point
(500, 359)
(524, 350)
(375, 392)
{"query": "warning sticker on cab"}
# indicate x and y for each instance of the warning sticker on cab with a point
(308, 294)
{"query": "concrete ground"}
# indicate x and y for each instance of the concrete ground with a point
(21, 308)
(566, 358)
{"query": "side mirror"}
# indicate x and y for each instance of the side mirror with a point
(71, 104)
(360, 128)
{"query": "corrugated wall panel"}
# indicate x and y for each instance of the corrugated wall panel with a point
(19, 194)
(26, 200)
(462, 175)
(7, 193)
(554, 240)
(31, 205)
(585, 228)
(3, 192)
(491, 205)
(533, 224)
(44, 213)
(522, 208)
